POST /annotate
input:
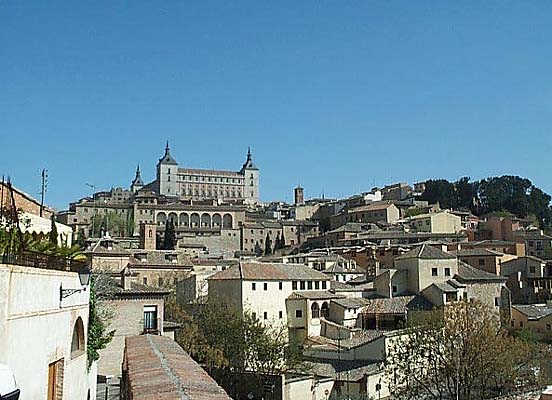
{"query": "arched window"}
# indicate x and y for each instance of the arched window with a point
(77, 342)
(150, 233)
(315, 310)
(325, 310)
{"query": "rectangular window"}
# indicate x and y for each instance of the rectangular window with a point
(150, 318)
(497, 301)
(548, 327)
(302, 285)
(447, 271)
(512, 324)
(532, 269)
(253, 286)
(434, 272)
(324, 285)
(280, 314)
(265, 315)
(160, 281)
(265, 286)
(280, 285)
(145, 281)
(317, 285)
(309, 285)
(294, 285)
(394, 289)
(298, 313)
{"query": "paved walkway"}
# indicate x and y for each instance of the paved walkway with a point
(109, 390)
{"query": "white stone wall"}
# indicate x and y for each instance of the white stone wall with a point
(36, 329)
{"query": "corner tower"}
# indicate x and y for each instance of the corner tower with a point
(167, 173)
(137, 183)
(251, 182)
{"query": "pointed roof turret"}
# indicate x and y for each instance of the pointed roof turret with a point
(137, 179)
(249, 162)
(167, 158)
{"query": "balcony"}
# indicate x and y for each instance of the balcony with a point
(44, 261)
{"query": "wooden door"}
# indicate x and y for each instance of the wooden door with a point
(52, 373)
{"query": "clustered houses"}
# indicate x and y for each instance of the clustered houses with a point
(343, 325)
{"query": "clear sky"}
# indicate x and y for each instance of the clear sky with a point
(334, 95)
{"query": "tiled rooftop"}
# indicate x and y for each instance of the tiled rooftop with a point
(269, 271)
(156, 367)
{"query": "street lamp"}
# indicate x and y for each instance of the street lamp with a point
(84, 278)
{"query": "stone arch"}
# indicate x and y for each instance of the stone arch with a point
(217, 220)
(173, 217)
(77, 341)
(194, 220)
(205, 220)
(315, 310)
(184, 219)
(161, 218)
(227, 221)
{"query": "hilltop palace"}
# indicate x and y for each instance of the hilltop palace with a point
(202, 184)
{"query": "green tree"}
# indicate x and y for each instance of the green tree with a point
(81, 240)
(99, 316)
(268, 245)
(114, 223)
(169, 242)
(460, 352)
(53, 235)
(228, 341)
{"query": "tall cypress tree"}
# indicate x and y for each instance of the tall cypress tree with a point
(258, 250)
(170, 236)
(268, 245)
(53, 235)
(277, 242)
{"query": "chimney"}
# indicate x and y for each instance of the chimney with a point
(126, 278)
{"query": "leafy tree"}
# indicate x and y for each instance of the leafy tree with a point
(169, 243)
(99, 315)
(229, 342)
(496, 194)
(81, 240)
(114, 223)
(268, 245)
(440, 191)
(460, 352)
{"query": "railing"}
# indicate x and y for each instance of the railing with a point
(44, 261)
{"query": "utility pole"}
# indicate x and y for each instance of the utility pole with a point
(44, 180)
(93, 187)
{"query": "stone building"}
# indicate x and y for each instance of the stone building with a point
(23, 202)
(43, 327)
(200, 184)
(137, 309)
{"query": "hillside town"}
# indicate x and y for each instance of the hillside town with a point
(192, 287)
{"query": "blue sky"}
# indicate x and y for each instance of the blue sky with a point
(337, 96)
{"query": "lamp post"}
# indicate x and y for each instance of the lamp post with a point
(84, 278)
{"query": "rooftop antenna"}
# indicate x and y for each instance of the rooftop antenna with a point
(43, 185)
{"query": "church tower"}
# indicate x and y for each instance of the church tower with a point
(167, 173)
(251, 174)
